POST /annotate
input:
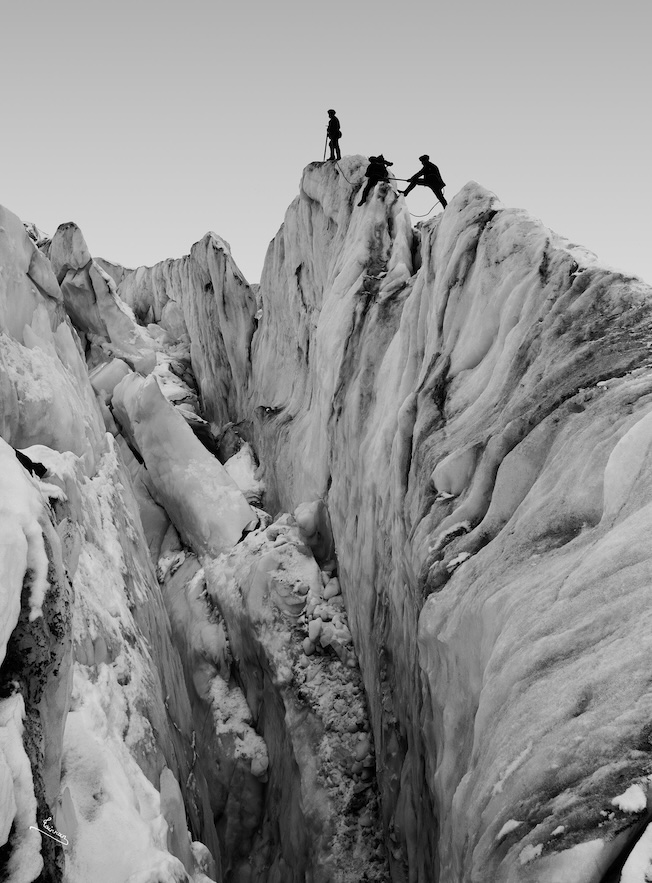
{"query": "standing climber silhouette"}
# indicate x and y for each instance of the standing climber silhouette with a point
(431, 178)
(376, 171)
(334, 133)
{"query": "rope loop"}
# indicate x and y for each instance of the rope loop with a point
(342, 174)
(426, 214)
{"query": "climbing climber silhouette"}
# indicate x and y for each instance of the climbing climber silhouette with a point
(333, 135)
(376, 171)
(428, 176)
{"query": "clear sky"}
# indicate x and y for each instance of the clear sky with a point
(150, 123)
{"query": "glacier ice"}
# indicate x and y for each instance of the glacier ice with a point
(429, 661)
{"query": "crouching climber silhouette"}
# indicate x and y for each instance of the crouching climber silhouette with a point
(334, 134)
(376, 171)
(428, 176)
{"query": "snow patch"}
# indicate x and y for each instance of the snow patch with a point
(454, 563)
(530, 853)
(17, 800)
(507, 828)
(446, 536)
(632, 800)
(110, 799)
(167, 869)
(242, 469)
(232, 716)
(498, 787)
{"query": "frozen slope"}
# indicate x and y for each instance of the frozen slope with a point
(95, 722)
(204, 296)
(129, 703)
(478, 421)
(471, 400)
(202, 500)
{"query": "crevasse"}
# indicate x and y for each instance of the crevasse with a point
(425, 657)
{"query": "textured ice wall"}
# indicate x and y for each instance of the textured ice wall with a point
(128, 745)
(318, 817)
(88, 673)
(89, 295)
(489, 503)
(471, 400)
(201, 498)
(27, 279)
(203, 295)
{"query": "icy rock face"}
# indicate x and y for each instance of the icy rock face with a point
(46, 397)
(202, 500)
(117, 272)
(460, 419)
(232, 754)
(88, 667)
(470, 398)
(27, 280)
(203, 295)
(477, 419)
(93, 704)
(129, 717)
(35, 649)
(324, 269)
(319, 813)
(89, 294)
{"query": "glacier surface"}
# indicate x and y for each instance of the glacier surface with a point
(341, 577)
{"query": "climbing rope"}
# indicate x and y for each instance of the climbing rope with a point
(389, 179)
(342, 174)
(426, 214)
(412, 215)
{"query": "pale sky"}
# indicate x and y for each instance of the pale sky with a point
(150, 123)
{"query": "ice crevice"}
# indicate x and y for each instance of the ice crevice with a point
(340, 578)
